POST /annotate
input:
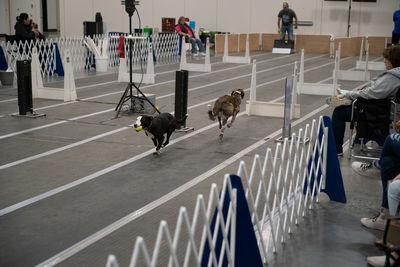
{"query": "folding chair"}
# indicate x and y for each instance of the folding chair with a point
(391, 240)
(372, 120)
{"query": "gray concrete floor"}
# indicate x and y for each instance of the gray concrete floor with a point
(33, 233)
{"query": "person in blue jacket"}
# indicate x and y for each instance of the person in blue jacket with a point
(396, 30)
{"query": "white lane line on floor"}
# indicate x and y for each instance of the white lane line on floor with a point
(156, 203)
(161, 97)
(55, 123)
(93, 138)
(8, 100)
(136, 69)
(161, 83)
(161, 73)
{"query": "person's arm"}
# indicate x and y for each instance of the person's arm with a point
(279, 25)
(295, 21)
(21, 31)
(178, 29)
(383, 87)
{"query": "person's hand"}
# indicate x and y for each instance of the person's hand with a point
(295, 26)
(397, 177)
(340, 96)
(279, 30)
(36, 32)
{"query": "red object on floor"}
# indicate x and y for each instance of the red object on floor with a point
(121, 49)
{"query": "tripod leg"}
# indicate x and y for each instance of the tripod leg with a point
(121, 101)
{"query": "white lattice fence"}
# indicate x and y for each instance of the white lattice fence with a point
(23, 50)
(275, 186)
(185, 234)
(165, 47)
(279, 191)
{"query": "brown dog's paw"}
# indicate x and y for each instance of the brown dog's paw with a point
(221, 136)
(158, 152)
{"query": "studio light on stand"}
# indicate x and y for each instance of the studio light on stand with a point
(130, 8)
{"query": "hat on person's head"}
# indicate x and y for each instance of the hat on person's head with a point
(285, 4)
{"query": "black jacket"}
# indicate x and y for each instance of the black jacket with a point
(22, 33)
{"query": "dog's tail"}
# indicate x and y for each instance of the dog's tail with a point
(180, 123)
(210, 113)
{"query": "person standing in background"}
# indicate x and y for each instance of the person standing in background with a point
(396, 30)
(23, 29)
(286, 15)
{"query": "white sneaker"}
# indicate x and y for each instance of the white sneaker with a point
(202, 54)
(366, 169)
(375, 222)
(195, 54)
(372, 144)
(377, 261)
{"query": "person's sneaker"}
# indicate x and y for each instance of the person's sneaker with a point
(365, 169)
(372, 144)
(376, 222)
(202, 54)
(340, 154)
(377, 261)
(195, 54)
(334, 101)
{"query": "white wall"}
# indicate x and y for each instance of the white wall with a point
(31, 7)
(4, 17)
(235, 15)
(52, 14)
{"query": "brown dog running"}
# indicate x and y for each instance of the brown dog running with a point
(225, 107)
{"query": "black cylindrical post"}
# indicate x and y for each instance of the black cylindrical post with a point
(24, 80)
(181, 94)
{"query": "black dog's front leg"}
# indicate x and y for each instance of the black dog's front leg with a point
(168, 136)
(219, 120)
(160, 142)
(154, 141)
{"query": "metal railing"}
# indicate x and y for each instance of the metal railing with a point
(279, 191)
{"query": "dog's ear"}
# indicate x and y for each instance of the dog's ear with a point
(242, 94)
(146, 121)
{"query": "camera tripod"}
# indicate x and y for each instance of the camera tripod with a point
(128, 94)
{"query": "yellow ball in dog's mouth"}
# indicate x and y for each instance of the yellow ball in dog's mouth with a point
(138, 129)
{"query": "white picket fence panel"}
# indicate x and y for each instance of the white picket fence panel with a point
(195, 245)
(275, 186)
(165, 47)
(274, 192)
(23, 50)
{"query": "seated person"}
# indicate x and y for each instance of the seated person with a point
(394, 201)
(389, 165)
(23, 29)
(185, 31)
(383, 87)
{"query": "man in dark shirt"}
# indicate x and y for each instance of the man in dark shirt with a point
(396, 30)
(286, 15)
